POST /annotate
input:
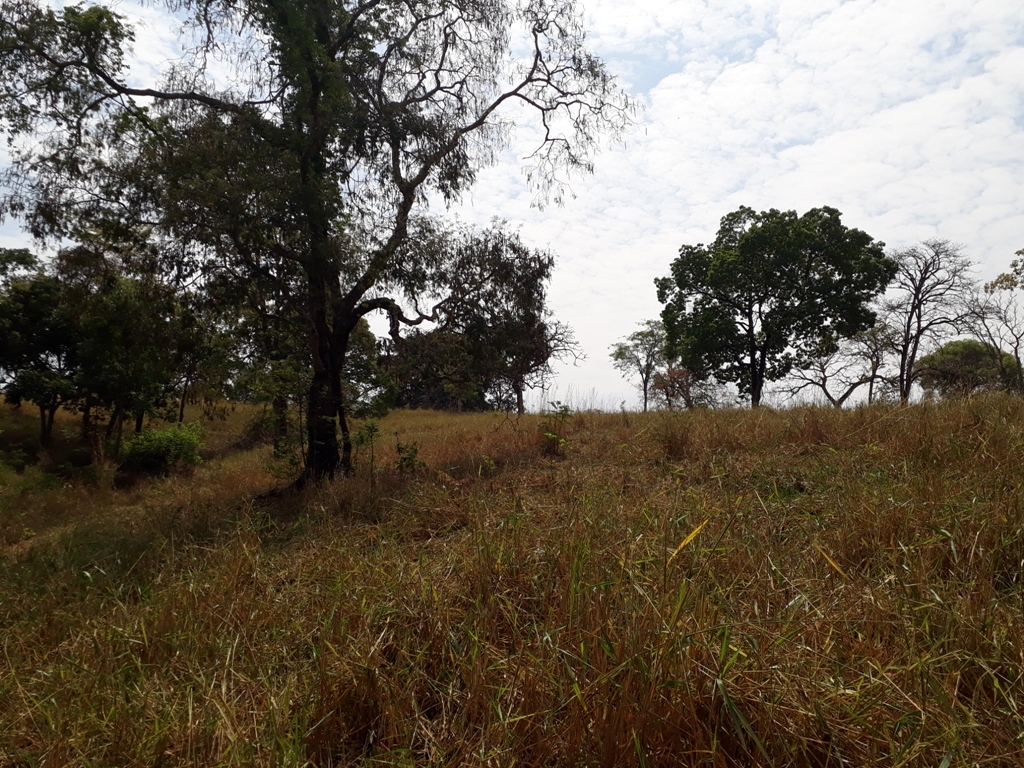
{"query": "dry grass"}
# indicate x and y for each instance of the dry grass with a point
(803, 588)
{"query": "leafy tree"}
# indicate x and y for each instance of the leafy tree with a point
(760, 299)
(642, 354)
(933, 283)
(336, 118)
(80, 334)
(494, 337)
(39, 337)
(436, 369)
(960, 368)
(497, 302)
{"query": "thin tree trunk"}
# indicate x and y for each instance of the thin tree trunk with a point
(346, 441)
(139, 419)
(181, 406)
(87, 420)
(44, 434)
(279, 418)
(520, 404)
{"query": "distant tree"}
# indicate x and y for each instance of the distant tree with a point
(960, 368)
(39, 337)
(996, 318)
(487, 291)
(759, 300)
(436, 369)
(840, 367)
(642, 355)
(675, 386)
(933, 284)
(80, 334)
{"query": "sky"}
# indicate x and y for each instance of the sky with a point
(906, 115)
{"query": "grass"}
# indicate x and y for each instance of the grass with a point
(791, 588)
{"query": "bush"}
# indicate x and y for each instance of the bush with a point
(156, 452)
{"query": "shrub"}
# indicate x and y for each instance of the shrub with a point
(156, 452)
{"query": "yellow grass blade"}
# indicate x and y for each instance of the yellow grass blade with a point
(688, 539)
(831, 562)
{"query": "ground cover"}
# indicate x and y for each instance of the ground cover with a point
(802, 587)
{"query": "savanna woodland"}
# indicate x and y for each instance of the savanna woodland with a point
(270, 494)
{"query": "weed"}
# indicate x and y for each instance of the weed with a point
(407, 460)
(156, 452)
(553, 429)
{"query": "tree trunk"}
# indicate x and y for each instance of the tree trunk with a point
(44, 434)
(520, 404)
(755, 394)
(87, 420)
(139, 419)
(181, 405)
(279, 424)
(323, 459)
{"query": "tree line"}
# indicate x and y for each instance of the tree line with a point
(824, 309)
(90, 334)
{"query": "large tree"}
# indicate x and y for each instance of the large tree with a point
(763, 295)
(299, 133)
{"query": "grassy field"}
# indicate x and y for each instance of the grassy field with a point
(736, 588)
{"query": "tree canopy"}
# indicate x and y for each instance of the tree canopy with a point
(761, 298)
(960, 368)
(292, 141)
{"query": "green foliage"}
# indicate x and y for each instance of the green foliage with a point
(758, 300)
(494, 338)
(408, 460)
(960, 368)
(553, 428)
(156, 452)
(488, 467)
(299, 174)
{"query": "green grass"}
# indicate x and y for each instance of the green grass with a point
(802, 587)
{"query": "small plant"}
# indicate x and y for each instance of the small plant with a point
(156, 452)
(365, 437)
(408, 461)
(487, 467)
(553, 428)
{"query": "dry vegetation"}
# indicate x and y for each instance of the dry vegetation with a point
(804, 587)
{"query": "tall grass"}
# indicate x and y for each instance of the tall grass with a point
(793, 588)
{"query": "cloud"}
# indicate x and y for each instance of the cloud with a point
(909, 122)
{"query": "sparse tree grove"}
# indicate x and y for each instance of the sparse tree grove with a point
(291, 144)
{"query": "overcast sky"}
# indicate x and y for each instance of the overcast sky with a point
(906, 115)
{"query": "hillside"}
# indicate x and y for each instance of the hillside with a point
(803, 587)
